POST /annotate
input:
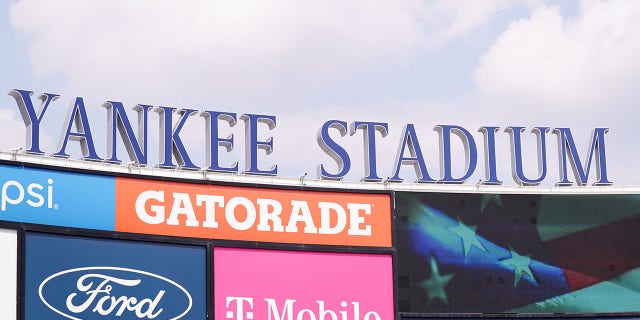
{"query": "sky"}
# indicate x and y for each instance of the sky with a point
(427, 63)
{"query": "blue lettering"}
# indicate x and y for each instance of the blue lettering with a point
(78, 115)
(117, 120)
(565, 141)
(170, 142)
(369, 135)
(334, 150)
(415, 158)
(471, 153)
(214, 142)
(490, 166)
(252, 144)
(516, 155)
(32, 118)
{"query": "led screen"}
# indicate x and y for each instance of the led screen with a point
(517, 253)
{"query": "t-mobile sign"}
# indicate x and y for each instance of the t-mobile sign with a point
(290, 285)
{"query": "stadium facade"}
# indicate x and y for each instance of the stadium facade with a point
(95, 240)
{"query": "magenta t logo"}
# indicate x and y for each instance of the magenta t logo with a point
(240, 313)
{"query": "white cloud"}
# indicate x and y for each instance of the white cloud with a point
(447, 20)
(13, 130)
(234, 51)
(576, 64)
(214, 48)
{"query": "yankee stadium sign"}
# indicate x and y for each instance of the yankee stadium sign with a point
(172, 153)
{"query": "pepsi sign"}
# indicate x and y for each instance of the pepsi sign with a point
(55, 198)
(85, 279)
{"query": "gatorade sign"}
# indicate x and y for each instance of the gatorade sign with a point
(253, 214)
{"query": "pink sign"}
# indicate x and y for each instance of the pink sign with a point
(291, 285)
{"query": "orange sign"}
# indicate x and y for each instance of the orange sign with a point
(252, 214)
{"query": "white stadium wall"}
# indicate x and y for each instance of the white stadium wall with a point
(101, 241)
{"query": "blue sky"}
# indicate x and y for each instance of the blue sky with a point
(468, 63)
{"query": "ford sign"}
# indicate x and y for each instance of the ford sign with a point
(106, 292)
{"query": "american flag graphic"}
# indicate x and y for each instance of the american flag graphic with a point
(518, 253)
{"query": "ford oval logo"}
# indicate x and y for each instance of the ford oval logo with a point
(113, 292)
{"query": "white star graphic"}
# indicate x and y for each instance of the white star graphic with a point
(435, 285)
(520, 264)
(468, 235)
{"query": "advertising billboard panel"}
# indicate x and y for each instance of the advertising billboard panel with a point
(70, 277)
(530, 317)
(285, 285)
(56, 198)
(8, 273)
(518, 253)
(253, 214)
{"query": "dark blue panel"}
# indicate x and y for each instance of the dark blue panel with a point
(83, 278)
